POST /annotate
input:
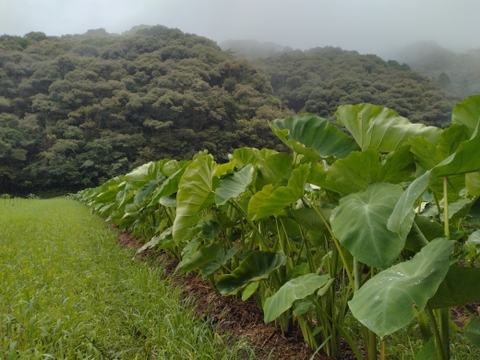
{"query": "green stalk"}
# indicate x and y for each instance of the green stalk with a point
(337, 244)
(425, 331)
(345, 334)
(445, 208)
(438, 338)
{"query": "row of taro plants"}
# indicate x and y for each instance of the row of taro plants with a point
(376, 222)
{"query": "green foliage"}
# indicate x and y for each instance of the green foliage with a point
(320, 79)
(78, 110)
(384, 233)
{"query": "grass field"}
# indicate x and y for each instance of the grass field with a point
(68, 290)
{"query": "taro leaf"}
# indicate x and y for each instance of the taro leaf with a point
(359, 169)
(168, 201)
(472, 183)
(473, 331)
(233, 185)
(467, 113)
(398, 166)
(360, 224)
(404, 212)
(428, 352)
(308, 131)
(256, 266)
(205, 255)
(308, 217)
(464, 160)
(427, 155)
(195, 193)
(393, 298)
(172, 166)
(291, 291)
(146, 172)
(474, 239)
(473, 217)
(459, 209)
(245, 156)
(145, 191)
(224, 169)
(165, 236)
(250, 290)
(169, 186)
(379, 128)
(460, 287)
(274, 168)
(271, 201)
(353, 173)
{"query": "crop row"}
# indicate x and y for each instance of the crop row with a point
(376, 218)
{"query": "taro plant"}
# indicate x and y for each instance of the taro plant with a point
(380, 221)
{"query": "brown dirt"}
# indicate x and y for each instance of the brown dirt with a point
(241, 319)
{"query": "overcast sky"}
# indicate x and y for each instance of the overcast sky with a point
(368, 26)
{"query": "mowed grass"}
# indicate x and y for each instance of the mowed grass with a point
(68, 290)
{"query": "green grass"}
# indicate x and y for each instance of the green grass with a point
(68, 290)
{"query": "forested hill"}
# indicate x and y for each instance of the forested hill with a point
(320, 79)
(79, 109)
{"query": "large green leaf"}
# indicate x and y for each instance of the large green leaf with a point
(291, 291)
(271, 201)
(233, 185)
(379, 128)
(467, 112)
(274, 168)
(256, 266)
(360, 169)
(203, 256)
(464, 160)
(472, 183)
(393, 298)
(460, 287)
(360, 224)
(404, 212)
(145, 173)
(473, 331)
(195, 193)
(308, 131)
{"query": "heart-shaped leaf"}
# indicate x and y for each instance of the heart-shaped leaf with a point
(291, 291)
(379, 128)
(308, 131)
(392, 298)
(360, 224)
(256, 266)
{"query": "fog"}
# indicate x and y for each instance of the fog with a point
(368, 26)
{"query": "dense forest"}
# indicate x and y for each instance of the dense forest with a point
(76, 110)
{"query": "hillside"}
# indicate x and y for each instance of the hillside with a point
(321, 79)
(76, 110)
(79, 109)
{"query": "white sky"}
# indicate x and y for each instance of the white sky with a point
(368, 26)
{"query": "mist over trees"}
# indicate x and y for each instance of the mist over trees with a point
(321, 79)
(458, 73)
(77, 110)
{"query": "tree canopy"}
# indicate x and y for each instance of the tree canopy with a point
(76, 110)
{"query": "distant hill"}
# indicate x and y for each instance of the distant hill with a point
(458, 73)
(321, 79)
(252, 49)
